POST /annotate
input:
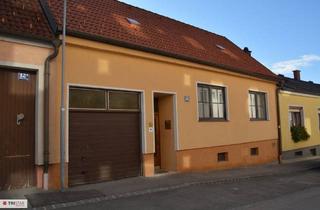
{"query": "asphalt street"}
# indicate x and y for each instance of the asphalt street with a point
(300, 190)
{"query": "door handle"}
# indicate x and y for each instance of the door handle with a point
(20, 118)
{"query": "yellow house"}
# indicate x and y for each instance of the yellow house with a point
(299, 106)
(147, 94)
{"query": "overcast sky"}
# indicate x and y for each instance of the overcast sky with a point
(283, 34)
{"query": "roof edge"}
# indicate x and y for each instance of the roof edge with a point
(167, 54)
(49, 16)
(301, 92)
(301, 81)
(26, 37)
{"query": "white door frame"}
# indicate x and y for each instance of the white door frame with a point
(175, 118)
(39, 103)
(142, 104)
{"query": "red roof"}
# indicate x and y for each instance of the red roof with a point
(24, 18)
(108, 19)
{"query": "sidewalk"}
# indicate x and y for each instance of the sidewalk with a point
(144, 185)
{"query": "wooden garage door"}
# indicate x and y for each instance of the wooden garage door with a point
(104, 144)
(17, 129)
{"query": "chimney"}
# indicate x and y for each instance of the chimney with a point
(246, 50)
(296, 74)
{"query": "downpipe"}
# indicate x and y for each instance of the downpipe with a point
(56, 44)
(279, 87)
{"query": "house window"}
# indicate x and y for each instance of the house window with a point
(295, 116)
(211, 102)
(223, 156)
(103, 100)
(257, 106)
(313, 151)
(319, 118)
(298, 153)
(81, 98)
(254, 151)
(120, 100)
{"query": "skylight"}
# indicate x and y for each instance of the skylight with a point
(220, 47)
(133, 21)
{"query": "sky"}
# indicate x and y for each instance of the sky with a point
(283, 34)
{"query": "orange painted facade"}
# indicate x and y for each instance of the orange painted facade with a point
(98, 65)
(191, 144)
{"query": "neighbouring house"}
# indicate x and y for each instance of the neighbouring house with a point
(300, 117)
(25, 44)
(147, 94)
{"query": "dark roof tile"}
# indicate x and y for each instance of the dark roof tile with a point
(25, 18)
(300, 86)
(108, 19)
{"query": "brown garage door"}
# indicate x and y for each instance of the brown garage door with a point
(104, 144)
(17, 128)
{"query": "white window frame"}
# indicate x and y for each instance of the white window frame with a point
(294, 108)
(143, 121)
(226, 92)
(318, 113)
(267, 104)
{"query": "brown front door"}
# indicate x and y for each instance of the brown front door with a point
(17, 128)
(157, 155)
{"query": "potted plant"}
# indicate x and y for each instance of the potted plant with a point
(299, 133)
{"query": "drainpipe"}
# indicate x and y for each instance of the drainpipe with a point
(62, 105)
(279, 87)
(56, 44)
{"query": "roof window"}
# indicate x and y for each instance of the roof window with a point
(133, 21)
(220, 47)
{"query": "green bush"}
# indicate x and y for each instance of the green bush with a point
(299, 133)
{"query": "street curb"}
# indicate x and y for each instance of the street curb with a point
(166, 188)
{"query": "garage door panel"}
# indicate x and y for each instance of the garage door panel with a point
(103, 146)
(95, 151)
(104, 174)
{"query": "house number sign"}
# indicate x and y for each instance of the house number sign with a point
(23, 76)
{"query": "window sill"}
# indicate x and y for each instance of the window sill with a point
(259, 120)
(212, 120)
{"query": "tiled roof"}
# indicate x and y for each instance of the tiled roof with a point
(300, 86)
(24, 18)
(108, 19)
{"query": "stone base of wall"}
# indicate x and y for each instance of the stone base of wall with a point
(238, 155)
(190, 160)
(53, 176)
(54, 172)
(39, 176)
(148, 165)
(305, 152)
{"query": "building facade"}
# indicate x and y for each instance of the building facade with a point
(167, 100)
(144, 94)
(143, 99)
(25, 44)
(300, 107)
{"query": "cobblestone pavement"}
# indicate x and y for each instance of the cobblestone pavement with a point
(235, 188)
(299, 190)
